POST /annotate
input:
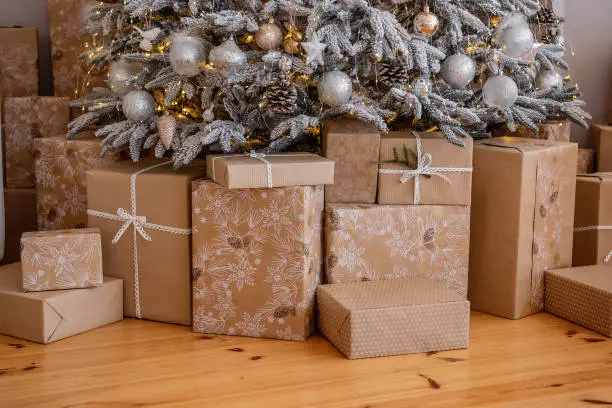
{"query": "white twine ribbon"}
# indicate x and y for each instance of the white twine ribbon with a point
(140, 225)
(423, 168)
(596, 228)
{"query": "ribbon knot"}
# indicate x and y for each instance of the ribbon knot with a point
(138, 221)
(254, 155)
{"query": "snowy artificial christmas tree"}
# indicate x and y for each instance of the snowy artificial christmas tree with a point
(189, 76)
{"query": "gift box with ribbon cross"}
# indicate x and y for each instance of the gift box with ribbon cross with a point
(423, 168)
(143, 211)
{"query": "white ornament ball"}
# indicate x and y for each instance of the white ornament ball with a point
(269, 36)
(119, 75)
(138, 105)
(335, 89)
(421, 86)
(500, 91)
(426, 23)
(227, 55)
(515, 39)
(548, 79)
(458, 70)
(186, 54)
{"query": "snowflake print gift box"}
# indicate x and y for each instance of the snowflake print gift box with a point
(522, 221)
(18, 61)
(66, 259)
(256, 260)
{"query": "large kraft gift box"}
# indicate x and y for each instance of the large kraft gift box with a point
(374, 242)
(582, 295)
(586, 161)
(385, 318)
(602, 140)
(45, 317)
(26, 119)
(65, 259)
(18, 61)
(522, 222)
(60, 169)
(20, 217)
(354, 147)
(258, 170)
(256, 260)
(143, 211)
(593, 219)
(423, 168)
(553, 130)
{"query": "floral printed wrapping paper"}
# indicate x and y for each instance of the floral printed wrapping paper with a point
(26, 119)
(60, 167)
(256, 260)
(18, 62)
(66, 259)
(374, 242)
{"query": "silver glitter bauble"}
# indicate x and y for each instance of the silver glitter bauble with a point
(515, 37)
(186, 54)
(227, 55)
(138, 105)
(426, 23)
(500, 91)
(119, 76)
(335, 89)
(548, 79)
(269, 36)
(458, 70)
(420, 86)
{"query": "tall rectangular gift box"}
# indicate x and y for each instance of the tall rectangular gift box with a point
(20, 217)
(376, 242)
(256, 260)
(60, 168)
(354, 147)
(586, 161)
(602, 139)
(593, 219)
(45, 317)
(522, 222)
(385, 318)
(143, 211)
(25, 119)
(18, 61)
(423, 168)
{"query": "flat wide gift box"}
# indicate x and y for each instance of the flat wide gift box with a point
(375, 242)
(258, 170)
(385, 318)
(18, 61)
(256, 260)
(582, 295)
(354, 147)
(602, 140)
(45, 317)
(20, 217)
(593, 219)
(143, 211)
(423, 168)
(522, 222)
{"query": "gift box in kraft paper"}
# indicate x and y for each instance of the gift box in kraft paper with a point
(593, 220)
(424, 168)
(65, 259)
(18, 61)
(385, 318)
(602, 140)
(553, 130)
(256, 260)
(20, 217)
(375, 242)
(582, 295)
(354, 147)
(143, 212)
(45, 317)
(586, 161)
(522, 222)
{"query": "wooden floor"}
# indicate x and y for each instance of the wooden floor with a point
(540, 361)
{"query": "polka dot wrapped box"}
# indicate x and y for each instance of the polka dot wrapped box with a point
(385, 318)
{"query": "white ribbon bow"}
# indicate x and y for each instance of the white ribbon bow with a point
(138, 221)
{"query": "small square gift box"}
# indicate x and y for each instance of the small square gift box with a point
(423, 168)
(65, 259)
(259, 170)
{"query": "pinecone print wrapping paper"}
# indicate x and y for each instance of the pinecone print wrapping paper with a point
(18, 62)
(256, 260)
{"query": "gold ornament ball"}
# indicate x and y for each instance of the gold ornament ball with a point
(269, 36)
(291, 46)
(426, 23)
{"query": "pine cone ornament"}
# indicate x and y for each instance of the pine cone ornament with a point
(282, 97)
(546, 15)
(393, 73)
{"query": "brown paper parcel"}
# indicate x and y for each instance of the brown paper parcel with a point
(385, 318)
(602, 139)
(20, 217)
(18, 61)
(439, 172)
(45, 317)
(256, 260)
(258, 170)
(354, 147)
(66, 259)
(593, 220)
(374, 242)
(582, 295)
(143, 211)
(553, 130)
(522, 222)
(586, 161)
